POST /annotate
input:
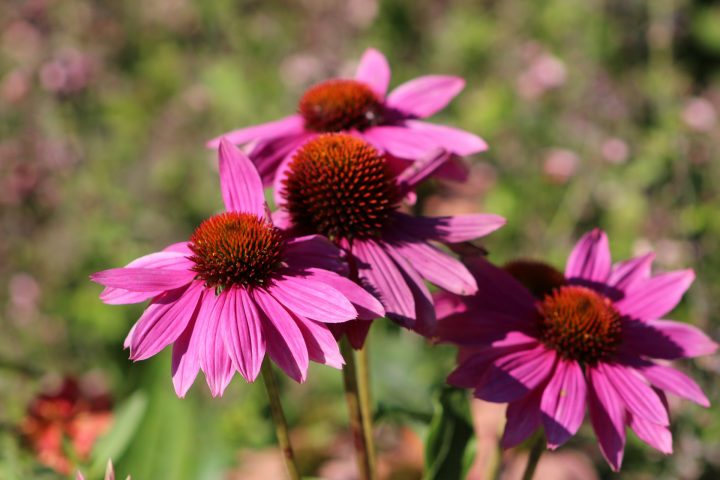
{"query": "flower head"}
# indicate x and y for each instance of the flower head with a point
(340, 186)
(549, 344)
(361, 106)
(237, 289)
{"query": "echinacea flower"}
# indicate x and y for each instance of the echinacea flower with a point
(549, 344)
(361, 106)
(340, 186)
(66, 423)
(237, 290)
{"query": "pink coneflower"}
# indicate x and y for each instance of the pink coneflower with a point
(237, 289)
(549, 344)
(361, 107)
(340, 186)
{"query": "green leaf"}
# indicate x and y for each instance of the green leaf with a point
(449, 449)
(127, 420)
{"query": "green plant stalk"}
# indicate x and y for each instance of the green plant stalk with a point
(537, 449)
(363, 367)
(281, 428)
(357, 417)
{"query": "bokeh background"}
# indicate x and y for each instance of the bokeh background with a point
(598, 113)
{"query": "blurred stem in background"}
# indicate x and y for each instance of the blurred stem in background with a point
(534, 457)
(361, 427)
(363, 368)
(278, 416)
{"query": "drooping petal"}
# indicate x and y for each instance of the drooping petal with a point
(321, 344)
(435, 266)
(241, 187)
(143, 279)
(639, 398)
(424, 96)
(374, 71)
(590, 259)
(421, 169)
(314, 251)
(288, 126)
(285, 343)
(269, 154)
(454, 229)
(665, 339)
(672, 381)
(513, 376)
(476, 329)
(451, 139)
(563, 403)
(475, 365)
(607, 414)
(214, 358)
(447, 304)
(657, 436)
(186, 349)
(523, 418)
(367, 306)
(656, 296)
(400, 141)
(242, 333)
(379, 271)
(312, 299)
(626, 275)
(425, 320)
(164, 320)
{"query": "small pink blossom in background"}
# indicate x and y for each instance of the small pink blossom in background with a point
(237, 290)
(362, 107)
(69, 71)
(22, 42)
(24, 296)
(560, 165)
(544, 72)
(615, 151)
(15, 86)
(549, 344)
(699, 114)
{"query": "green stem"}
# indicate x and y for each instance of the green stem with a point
(537, 449)
(357, 422)
(363, 368)
(281, 428)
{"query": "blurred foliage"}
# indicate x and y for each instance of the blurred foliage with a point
(598, 113)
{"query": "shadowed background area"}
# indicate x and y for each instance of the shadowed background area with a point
(598, 113)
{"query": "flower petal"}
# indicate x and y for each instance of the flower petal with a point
(454, 229)
(563, 403)
(424, 96)
(421, 169)
(312, 299)
(268, 155)
(672, 381)
(657, 436)
(639, 398)
(665, 339)
(656, 296)
(374, 71)
(451, 139)
(386, 281)
(473, 369)
(186, 349)
(321, 344)
(626, 275)
(285, 343)
(367, 306)
(513, 376)
(401, 141)
(143, 279)
(590, 259)
(241, 330)
(242, 189)
(313, 251)
(523, 418)
(288, 126)
(607, 415)
(214, 358)
(425, 319)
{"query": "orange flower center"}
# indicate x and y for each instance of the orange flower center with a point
(236, 249)
(341, 187)
(336, 105)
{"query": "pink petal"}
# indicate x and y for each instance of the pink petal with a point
(313, 251)
(626, 275)
(590, 259)
(143, 279)
(269, 154)
(455, 229)
(563, 403)
(186, 349)
(657, 436)
(387, 283)
(474, 367)
(288, 126)
(424, 96)
(523, 418)
(478, 329)
(312, 299)
(179, 247)
(241, 330)
(321, 344)
(436, 266)
(285, 343)
(241, 187)
(374, 71)
(639, 398)
(607, 417)
(513, 376)
(673, 381)
(451, 139)
(656, 296)
(164, 320)
(421, 169)
(367, 306)
(665, 339)
(447, 304)
(425, 320)
(400, 141)
(214, 358)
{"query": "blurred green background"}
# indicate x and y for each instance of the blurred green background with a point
(598, 113)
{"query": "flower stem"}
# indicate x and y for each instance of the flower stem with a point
(366, 404)
(357, 417)
(281, 428)
(537, 449)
